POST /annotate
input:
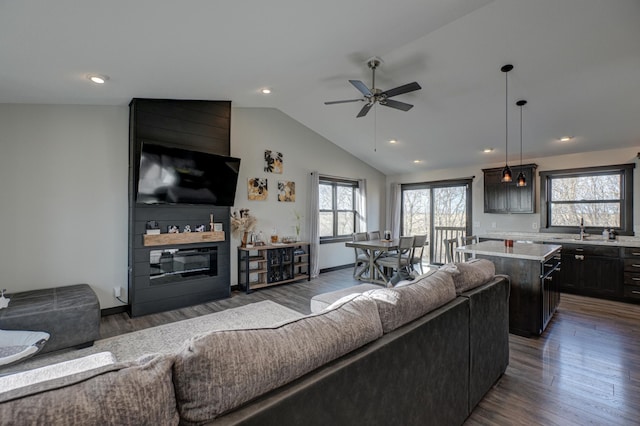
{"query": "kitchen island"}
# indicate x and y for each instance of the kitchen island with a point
(533, 270)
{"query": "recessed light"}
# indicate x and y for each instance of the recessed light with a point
(417, 161)
(98, 78)
(265, 91)
(392, 141)
(566, 138)
(487, 150)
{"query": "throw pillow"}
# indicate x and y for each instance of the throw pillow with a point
(473, 274)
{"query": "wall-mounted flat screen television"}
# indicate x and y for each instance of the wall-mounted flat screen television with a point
(170, 175)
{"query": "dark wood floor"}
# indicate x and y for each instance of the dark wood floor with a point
(584, 369)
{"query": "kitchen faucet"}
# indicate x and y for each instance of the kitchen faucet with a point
(582, 233)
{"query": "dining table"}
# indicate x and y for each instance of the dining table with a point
(374, 249)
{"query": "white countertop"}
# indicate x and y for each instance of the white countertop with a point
(621, 241)
(528, 251)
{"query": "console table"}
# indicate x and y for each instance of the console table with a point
(264, 266)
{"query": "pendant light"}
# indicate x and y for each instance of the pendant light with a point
(506, 172)
(521, 180)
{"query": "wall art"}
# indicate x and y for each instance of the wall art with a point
(286, 191)
(257, 189)
(273, 162)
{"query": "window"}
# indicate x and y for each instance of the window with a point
(337, 198)
(599, 197)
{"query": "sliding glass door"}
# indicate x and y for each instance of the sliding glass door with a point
(442, 210)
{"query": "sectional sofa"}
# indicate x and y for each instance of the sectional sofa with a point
(425, 352)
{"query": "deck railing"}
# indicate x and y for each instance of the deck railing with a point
(439, 249)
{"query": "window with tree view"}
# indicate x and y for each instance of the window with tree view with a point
(598, 197)
(337, 209)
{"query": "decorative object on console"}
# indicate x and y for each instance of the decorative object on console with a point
(4, 302)
(200, 228)
(173, 229)
(298, 224)
(273, 161)
(242, 221)
(522, 180)
(257, 189)
(506, 172)
(187, 228)
(286, 191)
(211, 222)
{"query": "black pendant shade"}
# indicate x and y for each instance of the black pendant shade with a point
(507, 176)
(506, 172)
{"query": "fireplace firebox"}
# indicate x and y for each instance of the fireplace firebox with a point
(172, 265)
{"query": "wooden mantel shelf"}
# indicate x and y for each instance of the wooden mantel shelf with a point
(183, 238)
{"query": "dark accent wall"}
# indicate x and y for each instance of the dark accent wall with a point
(187, 124)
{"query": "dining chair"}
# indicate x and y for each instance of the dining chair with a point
(374, 235)
(452, 255)
(419, 241)
(401, 260)
(361, 264)
(469, 239)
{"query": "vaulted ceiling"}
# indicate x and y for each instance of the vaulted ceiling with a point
(576, 62)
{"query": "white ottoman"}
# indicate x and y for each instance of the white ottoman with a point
(321, 301)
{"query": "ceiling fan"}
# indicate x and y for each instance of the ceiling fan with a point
(373, 95)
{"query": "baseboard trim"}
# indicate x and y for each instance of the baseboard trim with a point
(336, 268)
(112, 311)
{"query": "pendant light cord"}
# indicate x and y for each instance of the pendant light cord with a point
(506, 119)
(521, 138)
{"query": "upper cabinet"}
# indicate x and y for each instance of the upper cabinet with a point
(507, 197)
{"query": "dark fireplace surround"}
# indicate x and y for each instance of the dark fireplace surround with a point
(156, 282)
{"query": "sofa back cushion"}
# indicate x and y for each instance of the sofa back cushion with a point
(400, 305)
(473, 274)
(216, 372)
(137, 392)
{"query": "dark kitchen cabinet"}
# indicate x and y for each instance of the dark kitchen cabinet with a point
(591, 270)
(535, 292)
(631, 276)
(501, 197)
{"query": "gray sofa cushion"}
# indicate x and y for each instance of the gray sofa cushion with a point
(219, 371)
(322, 301)
(133, 393)
(400, 305)
(473, 274)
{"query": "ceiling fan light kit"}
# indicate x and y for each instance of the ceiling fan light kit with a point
(507, 176)
(374, 95)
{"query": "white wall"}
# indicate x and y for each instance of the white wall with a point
(63, 190)
(63, 197)
(254, 130)
(482, 223)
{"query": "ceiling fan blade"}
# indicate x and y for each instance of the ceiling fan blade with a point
(406, 88)
(344, 102)
(361, 87)
(365, 109)
(396, 104)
